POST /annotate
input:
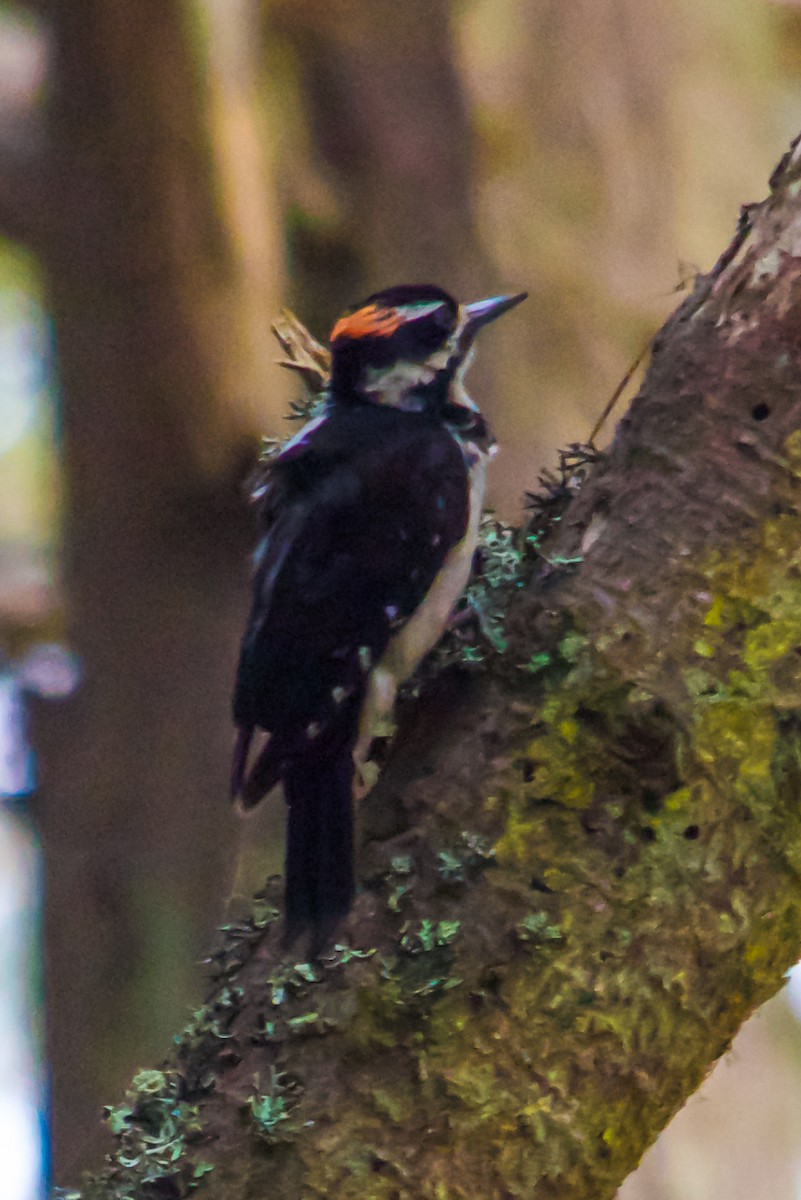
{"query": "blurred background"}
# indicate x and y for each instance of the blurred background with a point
(172, 172)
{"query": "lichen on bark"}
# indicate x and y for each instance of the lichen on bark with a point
(580, 867)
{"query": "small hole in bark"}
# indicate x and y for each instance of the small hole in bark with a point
(619, 872)
(692, 832)
(651, 801)
(647, 834)
(528, 771)
(760, 411)
(490, 982)
(538, 885)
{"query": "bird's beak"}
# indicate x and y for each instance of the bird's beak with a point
(481, 312)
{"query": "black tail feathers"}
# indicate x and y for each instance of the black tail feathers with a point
(319, 881)
(251, 785)
(319, 845)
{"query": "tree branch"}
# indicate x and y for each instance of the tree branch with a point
(580, 865)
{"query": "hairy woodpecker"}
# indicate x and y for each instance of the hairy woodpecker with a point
(369, 520)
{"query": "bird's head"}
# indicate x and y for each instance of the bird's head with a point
(409, 348)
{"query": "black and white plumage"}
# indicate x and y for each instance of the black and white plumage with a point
(369, 524)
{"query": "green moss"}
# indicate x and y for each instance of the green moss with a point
(393, 1002)
(738, 738)
(743, 722)
(344, 954)
(472, 853)
(501, 556)
(379, 1009)
(290, 979)
(270, 1110)
(401, 880)
(507, 557)
(423, 966)
(535, 927)
(538, 662)
(582, 711)
(154, 1128)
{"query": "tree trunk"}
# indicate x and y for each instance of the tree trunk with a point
(581, 863)
(157, 291)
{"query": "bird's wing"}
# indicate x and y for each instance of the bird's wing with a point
(360, 511)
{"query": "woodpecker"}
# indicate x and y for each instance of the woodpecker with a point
(368, 521)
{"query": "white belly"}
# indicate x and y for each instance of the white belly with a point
(427, 623)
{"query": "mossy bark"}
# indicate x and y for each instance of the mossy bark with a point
(580, 865)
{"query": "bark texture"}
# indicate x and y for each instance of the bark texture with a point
(581, 863)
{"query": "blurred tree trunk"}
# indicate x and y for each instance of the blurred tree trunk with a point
(161, 293)
(581, 868)
(385, 190)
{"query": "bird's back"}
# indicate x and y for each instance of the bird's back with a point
(360, 516)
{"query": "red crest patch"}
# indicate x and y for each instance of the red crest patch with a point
(372, 321)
